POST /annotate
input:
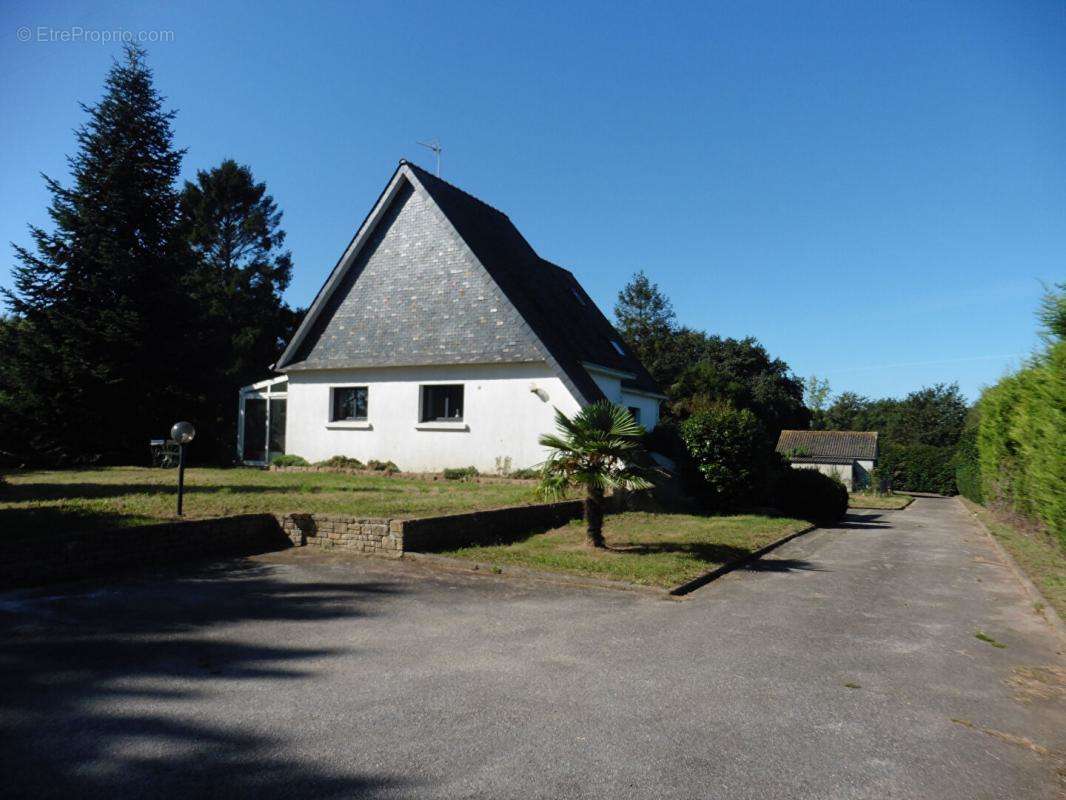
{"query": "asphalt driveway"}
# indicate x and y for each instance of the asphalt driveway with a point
(844, 665)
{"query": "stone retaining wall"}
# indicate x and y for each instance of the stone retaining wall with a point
(392, 537)
(30, 562)
(485, 527)
(372, 535)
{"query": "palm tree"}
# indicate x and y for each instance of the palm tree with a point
(597, 448)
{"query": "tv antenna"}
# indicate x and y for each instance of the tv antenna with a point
(434, 145)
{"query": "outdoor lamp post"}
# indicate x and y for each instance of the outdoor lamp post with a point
(182, 433)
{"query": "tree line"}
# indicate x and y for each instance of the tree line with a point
(918, 435)
(729, 400)
(147, 301)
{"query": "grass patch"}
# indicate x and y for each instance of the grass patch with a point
(984, 637)
(652, 549)
(1037, 553)
(851, 685)
(41, 503)
(874, 500)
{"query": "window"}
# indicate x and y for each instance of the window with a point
(349, 404)
(577, 295)
(442, 403)
(617, 347)
(636, 414)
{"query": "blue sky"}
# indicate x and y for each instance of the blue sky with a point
(874, 190)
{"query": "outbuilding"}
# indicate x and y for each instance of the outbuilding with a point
(851, 456)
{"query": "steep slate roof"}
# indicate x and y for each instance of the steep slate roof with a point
(829, 446)
(549, 299)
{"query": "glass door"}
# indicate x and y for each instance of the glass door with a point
(255, 432)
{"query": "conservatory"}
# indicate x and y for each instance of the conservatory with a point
(261, 421)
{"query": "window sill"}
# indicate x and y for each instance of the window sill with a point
(353, 425)
(442, 426)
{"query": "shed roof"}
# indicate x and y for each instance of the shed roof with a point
(828, 446)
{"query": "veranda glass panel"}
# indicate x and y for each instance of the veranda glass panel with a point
(277, 426)
(255, 433)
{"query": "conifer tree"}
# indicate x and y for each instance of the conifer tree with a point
(92, 358)
(239, 270)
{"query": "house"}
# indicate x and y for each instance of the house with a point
(849, 455)
(441, 339)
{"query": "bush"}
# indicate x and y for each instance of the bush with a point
(382, 466)
(918, 467)
(730, 450)
(460, 473)
(525, 472)
(341, 462)
(1021, 440)
(808, 494)
(968, 467)
(666, 439)
(289, 460)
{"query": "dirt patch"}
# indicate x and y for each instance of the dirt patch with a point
(1042, 684)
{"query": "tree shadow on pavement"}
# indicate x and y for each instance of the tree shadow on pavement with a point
(767, 564)
(148, 687)
(853, 521)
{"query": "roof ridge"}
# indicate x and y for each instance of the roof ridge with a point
(425, 172)
(812, 430)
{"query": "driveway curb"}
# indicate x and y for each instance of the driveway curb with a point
(1047, 610)
(718, 572)
(466, 565)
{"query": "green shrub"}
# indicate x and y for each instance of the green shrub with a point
(730, 450)
(808, 494)
(968, 467)
(382, 466)
(341, 462)
(525, 473)
(665, 438)
(918, 467)
(460, 473)
(289, 460)
(1022, 438)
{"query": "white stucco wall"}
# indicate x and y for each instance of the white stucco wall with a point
(611, 386)
(842, 471)
(502, 416)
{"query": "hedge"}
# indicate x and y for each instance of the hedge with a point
(968, 467)
(918, 467)
(1021, 441)
(808, 494)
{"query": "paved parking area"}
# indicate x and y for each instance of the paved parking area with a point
(844, 665)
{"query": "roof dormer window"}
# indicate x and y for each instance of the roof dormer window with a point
(617, 347)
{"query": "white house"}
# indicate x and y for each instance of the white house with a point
(849, 455)
(440, 339)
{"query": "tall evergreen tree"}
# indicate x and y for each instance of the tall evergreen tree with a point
(97, 347)
(240, 269)
(645, 318)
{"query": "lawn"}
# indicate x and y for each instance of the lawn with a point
(1039, 556)
(654, 549)
(57, 501)
(872, 500)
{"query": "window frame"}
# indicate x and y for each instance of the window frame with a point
(333, 420)
(424, 388)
